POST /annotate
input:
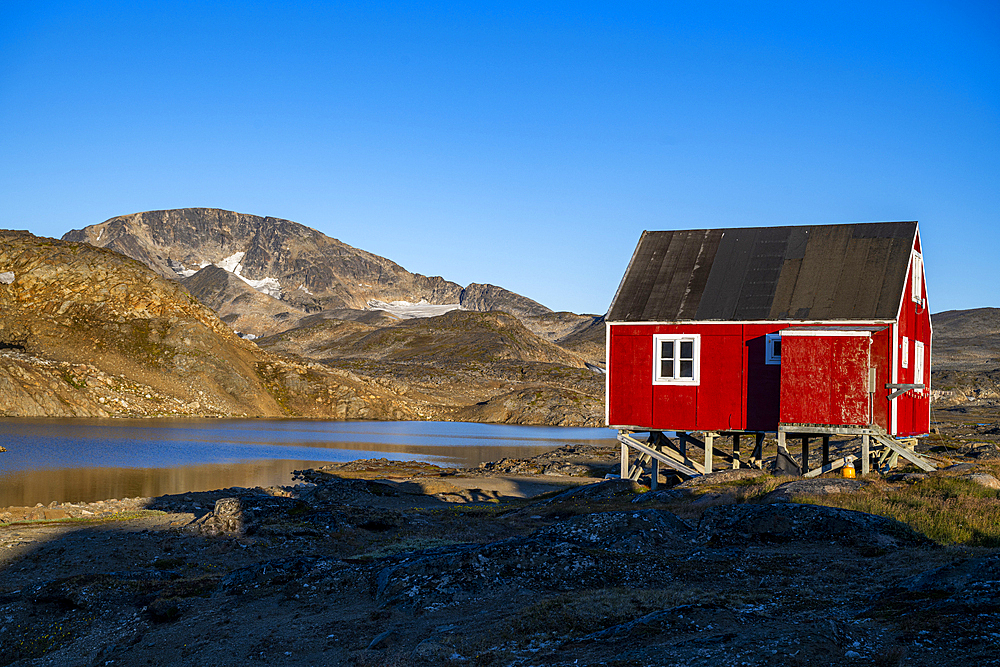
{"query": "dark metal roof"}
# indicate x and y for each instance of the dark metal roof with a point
(815, 272)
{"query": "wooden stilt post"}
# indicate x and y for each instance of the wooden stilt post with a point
(736, 451)
(654, 476)
(805, 454)
(624, 465)
(682, 442)
(865, 457)
(709, 448)
(784, 462)
(826, 450)
(757, 460)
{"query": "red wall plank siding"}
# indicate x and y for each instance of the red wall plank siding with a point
(675, 408)
(914, 322)
(821, 380)
(762, 381)
(882, 363)
(716, 403)
(630, 389)
(720, 396)
(824, 380)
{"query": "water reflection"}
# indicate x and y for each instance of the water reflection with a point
(87, 460)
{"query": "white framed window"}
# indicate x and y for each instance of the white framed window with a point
(906, 352)
(918, 364)
(772, 349)
(917, 281)
(676, 358)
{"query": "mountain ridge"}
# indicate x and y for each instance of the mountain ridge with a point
(294, 263)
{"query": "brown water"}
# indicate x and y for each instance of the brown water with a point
(83, 460)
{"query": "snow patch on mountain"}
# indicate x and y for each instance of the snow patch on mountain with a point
(234, 265)
(406, 309)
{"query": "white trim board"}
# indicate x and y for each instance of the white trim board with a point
(825, 334)
(787, 323)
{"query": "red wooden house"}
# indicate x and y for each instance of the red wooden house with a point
(806, 330)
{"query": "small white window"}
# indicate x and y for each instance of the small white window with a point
(772, 349)
(906, 352)
(676, 359)
(917, 282)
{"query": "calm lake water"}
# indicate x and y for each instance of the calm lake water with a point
(83, 460)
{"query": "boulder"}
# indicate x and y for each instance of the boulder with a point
(983, 479)
(777, 523)
(975, 577)
(611, 488)
(723, 476)
(662, 496)
(243, 515)
(813, 487)
(639, 531)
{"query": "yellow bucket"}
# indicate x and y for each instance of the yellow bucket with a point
(847, 471)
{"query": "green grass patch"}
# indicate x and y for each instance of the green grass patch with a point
(948, 510)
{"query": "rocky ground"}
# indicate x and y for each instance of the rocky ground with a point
(534, 562)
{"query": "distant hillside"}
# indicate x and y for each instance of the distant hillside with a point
(966, 357)
(467, 366)
(457, 338)
(967, 340)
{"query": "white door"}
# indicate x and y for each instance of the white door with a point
(918, 364)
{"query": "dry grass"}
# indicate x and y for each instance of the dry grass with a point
(948, 510)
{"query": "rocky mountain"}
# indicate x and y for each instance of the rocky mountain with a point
(238, 304)
(86, 331)
(295, 264)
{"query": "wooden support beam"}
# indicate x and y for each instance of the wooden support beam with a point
(623, 468)
(654, 476)
(826, 450)
(690, 438)
(662, 456)
(736, 451)
(785, 463)
(666, 446)
(805, 454)
(757, 458)
(830, 467)
(900, 450)
(887, 460)
(865, 454)
(709, 450)
(635, 472)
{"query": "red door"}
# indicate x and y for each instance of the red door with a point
(825, 377)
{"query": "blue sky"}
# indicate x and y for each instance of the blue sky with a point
(524, 145)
